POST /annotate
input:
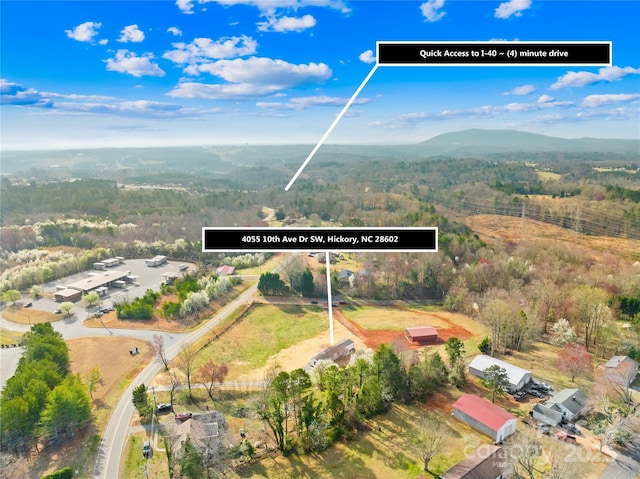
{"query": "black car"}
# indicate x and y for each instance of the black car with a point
(28, 305)
(146, 449)
(163, 406)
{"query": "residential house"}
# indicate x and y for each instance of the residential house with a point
(621, 369)
(546, 414)
(569, 402)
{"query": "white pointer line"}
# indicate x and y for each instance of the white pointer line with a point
(333, 125)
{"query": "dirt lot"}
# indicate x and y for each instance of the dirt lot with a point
(507, 229)
(444, 322)
(111, 355)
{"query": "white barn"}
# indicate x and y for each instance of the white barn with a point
(518, 377)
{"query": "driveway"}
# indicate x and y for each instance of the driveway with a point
(626, 465)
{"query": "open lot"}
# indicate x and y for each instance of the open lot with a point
(376, 324)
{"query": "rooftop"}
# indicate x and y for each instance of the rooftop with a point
(483, 361)
(488, 461)
(483, 411)
(572, 399)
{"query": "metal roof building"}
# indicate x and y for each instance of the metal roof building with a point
(518, 377)
(486, 462)
(421, 334)
(97, 280)
(485, 417)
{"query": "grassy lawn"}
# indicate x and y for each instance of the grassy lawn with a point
(18, 314)
(378, 453)
(8, 337)
(135, 463)
(542, 360)
(393, 318)
(265, 330)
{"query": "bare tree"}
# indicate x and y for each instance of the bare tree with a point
(175, 383)
(430, 439)
(524, 450)
(161, 353)
(186, 362)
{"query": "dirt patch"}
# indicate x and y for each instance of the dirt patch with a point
(111, 355)
(20, 315)
(375, 337)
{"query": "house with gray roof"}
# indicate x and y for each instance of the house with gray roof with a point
(621, 369)
(546, 414)
(569, 402)
(486, 462)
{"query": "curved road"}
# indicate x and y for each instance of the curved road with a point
(115, 435)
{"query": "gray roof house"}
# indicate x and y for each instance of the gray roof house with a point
(205, 431)
(621, 369)
(546, 414)
(569, 402)
(518, 377)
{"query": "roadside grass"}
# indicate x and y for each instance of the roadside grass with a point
(18, 314)
(9, 337)
(263, 331)
(135, 464)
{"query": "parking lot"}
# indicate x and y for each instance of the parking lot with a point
(147, 277)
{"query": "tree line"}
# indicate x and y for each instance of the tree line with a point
(42, 398)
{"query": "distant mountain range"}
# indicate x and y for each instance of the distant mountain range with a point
(477, 142)
(224, 159)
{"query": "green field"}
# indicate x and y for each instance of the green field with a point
(8, 337)
(265, 330)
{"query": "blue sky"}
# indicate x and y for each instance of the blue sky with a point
(193, 72)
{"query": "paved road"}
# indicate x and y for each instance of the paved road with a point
(115, 436)
(625, 466)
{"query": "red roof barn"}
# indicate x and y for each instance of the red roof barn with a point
(421, 334)
(485, 417)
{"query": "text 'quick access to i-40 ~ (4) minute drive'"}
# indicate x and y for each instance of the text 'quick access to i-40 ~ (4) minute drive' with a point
(494, 53)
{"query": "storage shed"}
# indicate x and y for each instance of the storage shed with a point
(518, 377)
(484, 416)
(421, 334)
(68, 294)
(341, 349)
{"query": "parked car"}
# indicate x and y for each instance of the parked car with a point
(570, 427)
(535, 393)
(98, 314)
(314, 302)
(183, 416)
(57, 311)
(28, 304)
(519, 396)
(146, 449)
(163, 406)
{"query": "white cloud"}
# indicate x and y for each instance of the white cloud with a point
(430, 11)
(305, 102)
(138, 66)
(103, 41)
(84, 32)
(16, 94)
(512, 7)
(521, 90)
(593, 101)
(367, 57)
(175, 31)
(287, 24)
(203, 49)
(131, 33)
(266, 71)
(185, 6)
(545, 99)
(272, 5)
(580, 79)
(252, 78)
